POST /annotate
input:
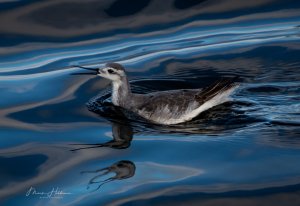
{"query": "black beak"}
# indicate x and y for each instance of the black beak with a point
(95, 71)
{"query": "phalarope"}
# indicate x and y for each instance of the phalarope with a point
(164, 107)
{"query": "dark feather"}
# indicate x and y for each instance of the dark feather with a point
(216, 88)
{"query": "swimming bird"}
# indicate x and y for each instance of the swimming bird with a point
(163, 107)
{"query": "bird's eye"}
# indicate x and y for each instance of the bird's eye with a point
(111, 71)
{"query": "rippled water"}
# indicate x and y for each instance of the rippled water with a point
(61, 131)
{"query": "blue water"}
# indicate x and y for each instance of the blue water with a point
(61, 132)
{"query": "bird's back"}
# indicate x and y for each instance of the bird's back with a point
(177, 106)
(163, 107)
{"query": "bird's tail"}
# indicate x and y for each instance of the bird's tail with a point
(217, 88)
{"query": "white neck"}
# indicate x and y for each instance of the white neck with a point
(115, 92)
(120, 92)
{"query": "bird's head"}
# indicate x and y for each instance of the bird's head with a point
(111, 71)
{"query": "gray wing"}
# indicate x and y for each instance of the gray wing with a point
(168, 104)
(171, 105)
(182, 99)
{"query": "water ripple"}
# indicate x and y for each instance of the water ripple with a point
(48, 113)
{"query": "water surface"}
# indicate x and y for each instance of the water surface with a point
(60, 131)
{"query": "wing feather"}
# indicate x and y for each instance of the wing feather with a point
(215, 89)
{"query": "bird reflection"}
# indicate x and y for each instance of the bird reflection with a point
(122, 135)
(123, 169)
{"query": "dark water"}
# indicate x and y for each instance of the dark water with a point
(243, 152)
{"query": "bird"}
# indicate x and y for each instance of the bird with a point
(169, 107)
